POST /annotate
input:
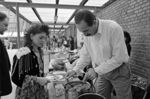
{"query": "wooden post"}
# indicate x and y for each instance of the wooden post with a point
(18, 25)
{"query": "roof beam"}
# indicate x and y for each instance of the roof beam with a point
(37, 5)
(35, 11)
(51, 23)
(14, 11)
(81, 4)
(56, 28)
(56, 10)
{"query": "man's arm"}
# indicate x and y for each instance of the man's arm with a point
(119, 51)
(83, 61)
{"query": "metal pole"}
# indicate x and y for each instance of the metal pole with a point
(18, 25)
(37, 5)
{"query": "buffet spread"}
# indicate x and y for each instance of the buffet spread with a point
(61, 87)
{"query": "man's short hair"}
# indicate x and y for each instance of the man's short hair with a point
(2, 16)
(85, 15)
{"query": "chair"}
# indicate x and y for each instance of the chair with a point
(90, 96)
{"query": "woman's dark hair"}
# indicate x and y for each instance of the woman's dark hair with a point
(35, 29)
(2, 16)
(86, 16)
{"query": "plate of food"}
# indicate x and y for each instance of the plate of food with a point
(55, 77)
(59, 72)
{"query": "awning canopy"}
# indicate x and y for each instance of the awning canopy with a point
(58, 14)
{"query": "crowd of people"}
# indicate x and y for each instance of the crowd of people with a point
(60, 43)
(106, 49)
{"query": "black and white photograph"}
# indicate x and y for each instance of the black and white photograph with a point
(74, 49)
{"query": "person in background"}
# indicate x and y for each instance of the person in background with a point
(105, 47)
(54, 41)
(6, 43)
(71, 43)
(10, 45)
(28, 66)
(5, 83)
(127, 41)
(65, 41)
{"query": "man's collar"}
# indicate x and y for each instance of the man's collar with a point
(99, 26)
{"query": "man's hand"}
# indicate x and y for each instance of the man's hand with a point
(91, 74)
(42, 81)
(70, 74)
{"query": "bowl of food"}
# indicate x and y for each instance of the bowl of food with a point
(58, 64)
(77, 86)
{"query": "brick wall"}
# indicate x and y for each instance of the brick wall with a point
(134, 17)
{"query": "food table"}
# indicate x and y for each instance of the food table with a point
(55, 88)
(62, 88)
